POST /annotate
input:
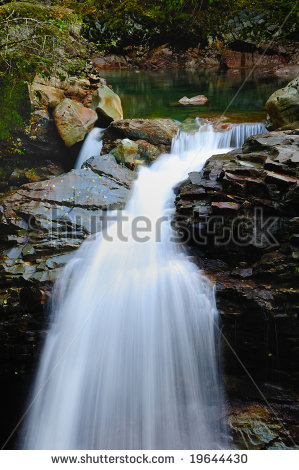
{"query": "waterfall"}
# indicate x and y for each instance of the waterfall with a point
(131, 359)
(91, 147)
(236, 135)
(241, 132)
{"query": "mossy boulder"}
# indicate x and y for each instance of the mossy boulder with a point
(126, 151)
(283, 106)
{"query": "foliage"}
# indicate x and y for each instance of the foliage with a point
(14, 104)
(36, 36)
(180, 23)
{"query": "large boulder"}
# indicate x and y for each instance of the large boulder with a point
(283, 106)
(158, 132)
(107, 104)
(73, 121)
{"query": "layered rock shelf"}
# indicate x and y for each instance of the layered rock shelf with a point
(240, 216)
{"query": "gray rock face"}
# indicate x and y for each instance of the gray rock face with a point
(240, 215)
(283, 106)
(107, 165)
(41, 223)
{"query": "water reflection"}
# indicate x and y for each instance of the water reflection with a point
(156, 93)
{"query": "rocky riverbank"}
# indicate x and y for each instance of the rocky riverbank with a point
(281, 61)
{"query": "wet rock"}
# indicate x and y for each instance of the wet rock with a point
(107, 104)
(41, 140)
(239, 215)
(158, 132)
(73, 121)
(260, 427)
(283, 106)
(42, 223)
(147, 151)
(126, 151)
(107, 165)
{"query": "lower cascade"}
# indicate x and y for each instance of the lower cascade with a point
(91, 147)
(131, 360)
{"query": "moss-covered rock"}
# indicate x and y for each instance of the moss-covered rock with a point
(283, 106)
(15, 107)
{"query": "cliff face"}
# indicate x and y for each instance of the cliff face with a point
(240, 218)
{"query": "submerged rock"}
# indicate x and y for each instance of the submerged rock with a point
(283, 106)
(73, 121)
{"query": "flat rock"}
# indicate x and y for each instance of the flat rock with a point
(42, 223)
(107, 165)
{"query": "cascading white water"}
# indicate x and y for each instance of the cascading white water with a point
(91, 147)
(238, 133)
(241, 132)
(131, 359)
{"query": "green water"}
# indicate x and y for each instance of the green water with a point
(156, 94)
